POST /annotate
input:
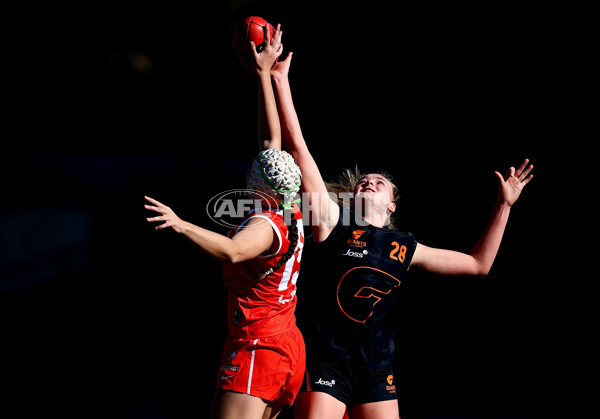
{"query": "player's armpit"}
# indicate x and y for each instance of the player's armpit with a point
(256, 237)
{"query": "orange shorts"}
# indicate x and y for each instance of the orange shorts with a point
(271, 368)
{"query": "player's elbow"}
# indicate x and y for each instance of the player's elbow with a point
(228, 259)
(237, 254)
(473, 266)
(232, 254)
(273, 142)
(480, 269)
(232, 257)
(483, 271)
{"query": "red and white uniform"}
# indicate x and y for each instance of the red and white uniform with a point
(264, 352)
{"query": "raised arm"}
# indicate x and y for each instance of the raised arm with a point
(269, 128)
(481, 258)
(324, 212)
(257, 238)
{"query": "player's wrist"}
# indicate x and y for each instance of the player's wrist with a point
(263, 74)
(502, 205)
(182, 227)
(277, 77)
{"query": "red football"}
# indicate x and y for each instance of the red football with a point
(250, 29)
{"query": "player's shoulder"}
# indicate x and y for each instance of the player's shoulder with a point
(402, 235)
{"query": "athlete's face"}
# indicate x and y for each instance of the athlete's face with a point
(375, 189)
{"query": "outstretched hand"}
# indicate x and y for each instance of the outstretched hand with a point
(511, 184)
(272, 49)
(282, 68)
(166, 214)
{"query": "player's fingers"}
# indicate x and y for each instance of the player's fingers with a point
(254, 51)
(289, 56)
(160, 227)
(525, 172)
(499, 177)
(267, 33)
(155, 202)
(159, 218)
(527, 180)
(152, 208)
(277, 33)
(522, 166)
(276, 43)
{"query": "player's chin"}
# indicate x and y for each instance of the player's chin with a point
(365, 196)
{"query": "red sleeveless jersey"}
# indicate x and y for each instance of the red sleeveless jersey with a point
(261, 308)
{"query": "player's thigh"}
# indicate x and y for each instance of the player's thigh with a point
(272, 410)
(231, 405)
(387, 409)
(317, 405)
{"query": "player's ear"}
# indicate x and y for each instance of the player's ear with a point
(391, 207)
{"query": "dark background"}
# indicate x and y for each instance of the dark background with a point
(104, 317)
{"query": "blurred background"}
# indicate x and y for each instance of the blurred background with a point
(104, 317)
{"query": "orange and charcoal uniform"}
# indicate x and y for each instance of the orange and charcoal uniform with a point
(351, 313)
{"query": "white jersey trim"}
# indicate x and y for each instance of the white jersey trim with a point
(275, 228)
(251, 366)
(287, 273)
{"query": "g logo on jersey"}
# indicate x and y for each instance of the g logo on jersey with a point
(356, 299)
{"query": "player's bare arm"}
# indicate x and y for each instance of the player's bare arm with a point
(324, 212)
(254, 239)
(269, 129)
(481, 258)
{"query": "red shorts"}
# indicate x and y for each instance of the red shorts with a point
(271, 368)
